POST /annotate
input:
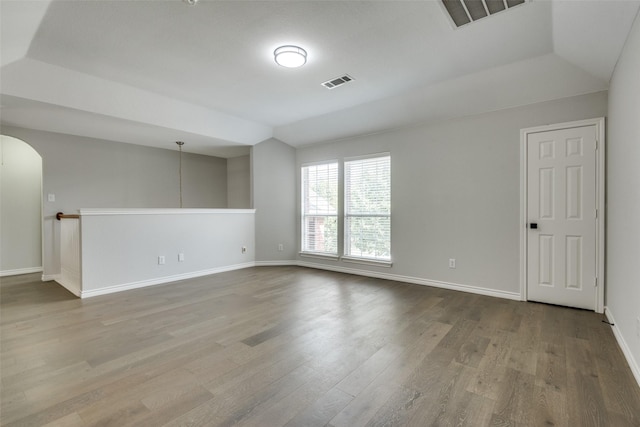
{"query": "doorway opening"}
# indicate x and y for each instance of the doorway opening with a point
(562, 214)
(21, 208)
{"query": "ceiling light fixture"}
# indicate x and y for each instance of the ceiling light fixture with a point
(190, 2)
(290, 56)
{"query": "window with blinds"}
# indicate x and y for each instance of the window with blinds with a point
(320, 208)
(368, 208)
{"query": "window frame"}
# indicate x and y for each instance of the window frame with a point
(340, 255)
(303, 216)
(349, 257)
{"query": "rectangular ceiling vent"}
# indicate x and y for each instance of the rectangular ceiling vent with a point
(463, 12)
(338, 81)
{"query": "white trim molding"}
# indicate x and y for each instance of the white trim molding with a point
(68, 286)
(319, 256)
(167, 211)
(599, 123)
(161, 280)
(339, 269)
(633, 364)
(18, 271)
(416, 281)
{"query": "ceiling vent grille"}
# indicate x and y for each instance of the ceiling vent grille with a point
(338, 81)
(466, 11)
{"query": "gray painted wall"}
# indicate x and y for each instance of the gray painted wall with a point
(91, 173)
(274, 198)
(623, 196)
(455, 191)
(211, 241)
(239, 182)
(21, 207)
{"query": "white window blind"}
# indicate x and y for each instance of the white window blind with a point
(368, 208)
(320, 208)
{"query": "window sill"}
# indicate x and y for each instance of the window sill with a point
(319, 255)
(376, 262)
(353, 260)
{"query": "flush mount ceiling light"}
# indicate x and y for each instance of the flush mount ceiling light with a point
(190, 2)
(290, 56)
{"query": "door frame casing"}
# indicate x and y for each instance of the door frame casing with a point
(599, 123)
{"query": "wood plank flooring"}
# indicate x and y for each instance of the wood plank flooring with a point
(290, 346)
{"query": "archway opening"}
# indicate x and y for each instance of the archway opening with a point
(20, 208)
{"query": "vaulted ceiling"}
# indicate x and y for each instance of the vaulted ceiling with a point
(153, 72)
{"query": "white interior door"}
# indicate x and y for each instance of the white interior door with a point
(561, 217)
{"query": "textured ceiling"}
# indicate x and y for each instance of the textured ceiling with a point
(148, 72)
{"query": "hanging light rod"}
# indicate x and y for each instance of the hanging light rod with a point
(180, 144)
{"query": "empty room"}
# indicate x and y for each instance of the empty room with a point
(320, 213)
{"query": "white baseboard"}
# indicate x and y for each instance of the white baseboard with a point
(339, 269)
(50, 277)
(275, 263)
(633, 364)
(416, 280)
(367, 273)
(73, 289)
(161, 280)
(18, 271)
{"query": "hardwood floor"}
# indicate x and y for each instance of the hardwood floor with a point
(289, 346)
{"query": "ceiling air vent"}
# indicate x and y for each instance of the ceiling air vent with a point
(465, 11)
(338, 81)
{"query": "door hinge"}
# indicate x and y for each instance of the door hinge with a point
(596, 144)
(596, 213)
(595, 282)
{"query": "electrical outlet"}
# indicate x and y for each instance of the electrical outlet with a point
(244, 249)
(161, 260)
(180, 257)
(452, 263)
(280, 247)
